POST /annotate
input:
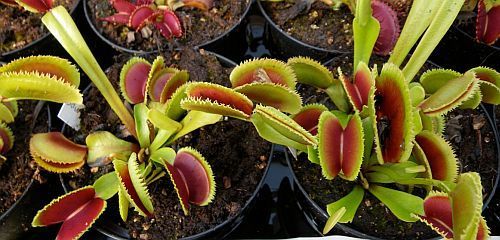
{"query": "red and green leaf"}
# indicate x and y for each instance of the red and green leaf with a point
(212, 98)
(6, 138)
(133, 79)
(55, 153)
(133, 186)
(170, 25)
(271, 94)
(311, 72)
(78, 210)
(276, 127)
(56, 67)
(358, 91)
(104, 146)
(489, 82)
(36, 6)
(439, 155)
(392, 111)
(488, 16)
(193, 178)
(341, 145)
(308, 117)
(263, 71)
(438, 214)
(450, 95)
(389, 27)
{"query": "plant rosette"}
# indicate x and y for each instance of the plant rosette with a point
(150, 26)
(21, 31)
(235, 189)
(325, 26)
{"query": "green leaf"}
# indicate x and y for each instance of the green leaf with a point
(5, 114)
(467, 203)
(432, 80)
(421, 14)
(279, 128)
(366, 30)
(195, 120)
(450, 95)
(439, 25)
(351, 202)
(417, 94)
(141, 124)
(274, 95)
(106, 186)
(167, 126)
(164, 156)
(369, 136)
(63, 28)
(123, 204)
(338, 96)
(403, 205)
(174, 110)
(312, 154)
(311, 72)
(36, 86)
(104, 146)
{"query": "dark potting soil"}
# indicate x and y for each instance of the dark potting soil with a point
(236, 153)
(322, 26)
(19, 28)
(20, 169)
(475, 150)
(238, 157)
(199, 26)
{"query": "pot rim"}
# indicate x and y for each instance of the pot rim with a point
(289, 37)
(5, 214)
(111, 230)
(354, 232)
(40, 39)
(132, 51)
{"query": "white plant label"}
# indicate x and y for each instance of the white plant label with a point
(70, 114)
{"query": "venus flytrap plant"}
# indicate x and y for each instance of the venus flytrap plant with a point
(487, 19)
(155, 91)
(160, 13)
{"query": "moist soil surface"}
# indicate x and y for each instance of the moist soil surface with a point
(19, 27)
(19, 169)
(236, 153)
(322, 26)
(199, 26)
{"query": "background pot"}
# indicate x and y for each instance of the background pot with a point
(284, 46)
(317, 217)
(111, 229)
(235, 34)
(46, 44)
(15, 219)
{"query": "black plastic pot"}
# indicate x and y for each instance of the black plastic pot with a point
(108, 226)
(19, 215)
(284, 46)
(317, 217)
(460, 51)
(46, 44)
(237, 30)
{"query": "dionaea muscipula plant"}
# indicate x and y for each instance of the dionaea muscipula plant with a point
(155, 91)
(386, 129)
(44, 78)
(160, 13)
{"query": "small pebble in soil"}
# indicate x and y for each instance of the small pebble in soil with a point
(227, 182)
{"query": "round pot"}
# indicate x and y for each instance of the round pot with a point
(237, 30)
(19, 215)
(108, 226)
(317, 217)
(46, 44)
(284, 46)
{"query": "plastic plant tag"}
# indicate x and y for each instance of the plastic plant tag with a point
(70, 114)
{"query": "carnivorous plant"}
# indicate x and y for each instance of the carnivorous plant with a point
(386, 129)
